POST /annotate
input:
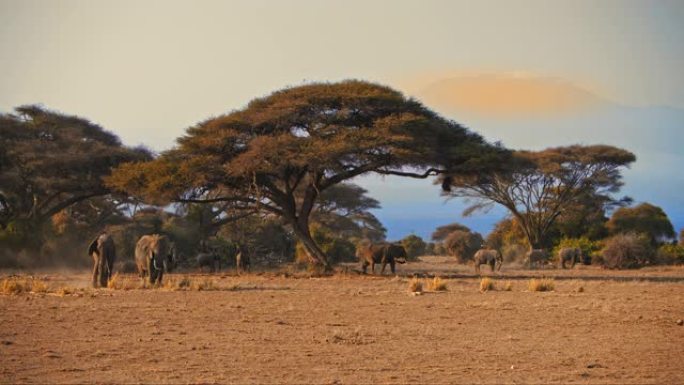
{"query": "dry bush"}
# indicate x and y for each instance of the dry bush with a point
(544, 284)
(436, 284)
(415, 285)
(487, 284)
(507, 286)
(38, 286)
(174, 284)
(627, 251)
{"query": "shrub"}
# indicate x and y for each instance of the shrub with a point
(437, 284)
(486, 284)
(670, 255)
(507, 286)
(627, 251)
(514, 252)
(544, 284)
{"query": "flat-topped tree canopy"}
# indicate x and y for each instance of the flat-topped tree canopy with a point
(281, 151)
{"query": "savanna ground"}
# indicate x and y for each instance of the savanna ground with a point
(597, 326)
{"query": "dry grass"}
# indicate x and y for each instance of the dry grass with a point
(436, 284)
(18, 285)
(205, 284)
(544, 284)
(176, 284)
(507, 286)
(487, 284)
(65, 290)
(415, 285)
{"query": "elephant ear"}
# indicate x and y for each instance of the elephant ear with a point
(93, 246)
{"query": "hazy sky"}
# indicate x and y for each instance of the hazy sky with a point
(525, 72)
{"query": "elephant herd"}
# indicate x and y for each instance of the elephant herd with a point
(154, 254)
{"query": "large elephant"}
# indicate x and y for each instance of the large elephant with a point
(150, 253)
(569, 254)
(536, 257)
(489, 257)
(370, 254)
(103, 251)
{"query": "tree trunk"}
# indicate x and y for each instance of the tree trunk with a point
(318, 257)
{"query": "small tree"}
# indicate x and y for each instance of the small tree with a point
(463, 244)
(414, 246)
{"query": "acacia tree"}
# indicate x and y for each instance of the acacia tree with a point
(50, 162)
(282, 151)
(537, 187)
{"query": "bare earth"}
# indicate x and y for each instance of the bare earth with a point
(268, 328)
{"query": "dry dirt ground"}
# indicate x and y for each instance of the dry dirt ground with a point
(596, 327)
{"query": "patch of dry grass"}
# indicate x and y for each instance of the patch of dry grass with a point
(487, 284)
(507, 286)
(205, 284)
(18, 285)
(415, 286)
(543, 284)
(436, 284)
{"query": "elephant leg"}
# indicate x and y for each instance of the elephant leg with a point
(160, 274)
(392, 267)
(572, 264)
(491, 265)
(372, 265)
(364, 266)
(95, 271)
(477, 268)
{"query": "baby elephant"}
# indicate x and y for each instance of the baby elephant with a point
(569, 254)
(488, 257)
(210, 260)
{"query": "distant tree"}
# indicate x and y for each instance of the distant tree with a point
(442, 232)
(282, 151)
(344, 209)
(50, 162)
(585, 217)
(643, 219)
(414, 246)
(463, 244)
(537, 187)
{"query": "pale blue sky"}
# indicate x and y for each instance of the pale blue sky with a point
(148, 69)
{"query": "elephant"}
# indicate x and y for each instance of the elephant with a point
(103, 251)
(489, 257)
(210, 260)
(150, 253)
(384, 253)
(569, 254)
(171, 261)
(536, 257)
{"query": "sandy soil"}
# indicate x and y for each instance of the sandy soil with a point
(267, 328)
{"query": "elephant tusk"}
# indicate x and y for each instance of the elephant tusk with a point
(154, 263)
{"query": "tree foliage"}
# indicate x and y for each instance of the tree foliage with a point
(442, 232)
(537, 187)
(49, 162)
(643, 219)
(282, 151)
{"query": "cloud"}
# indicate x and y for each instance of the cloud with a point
(506, 96)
